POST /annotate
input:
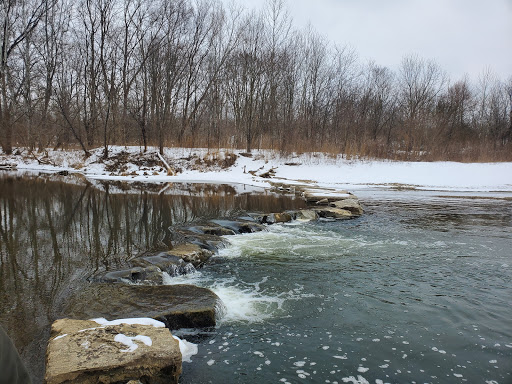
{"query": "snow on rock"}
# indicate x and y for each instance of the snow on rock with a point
(138, 320)
(129, 341)
(122, 352)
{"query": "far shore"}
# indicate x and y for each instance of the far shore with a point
(265, 168)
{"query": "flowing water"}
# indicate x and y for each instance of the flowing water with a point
(417, 290)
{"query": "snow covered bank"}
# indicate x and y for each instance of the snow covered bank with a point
(266, 167)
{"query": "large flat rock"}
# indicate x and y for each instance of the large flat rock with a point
(317, 196)
(178, 306)
(84, 352)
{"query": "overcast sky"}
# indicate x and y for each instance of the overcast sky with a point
(463, 36)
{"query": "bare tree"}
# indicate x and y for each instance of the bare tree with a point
(420, 83)
(246, 77)
(508, 87)
(455, 108)
(18, 19)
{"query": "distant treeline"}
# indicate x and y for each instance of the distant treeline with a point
(94, 73)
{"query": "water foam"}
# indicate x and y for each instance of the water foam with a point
(187, 349)
(246, 304)
(239, 302)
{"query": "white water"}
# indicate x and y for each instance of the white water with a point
(241, 302)
(282, 243)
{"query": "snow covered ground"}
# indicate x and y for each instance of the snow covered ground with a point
(314, 169)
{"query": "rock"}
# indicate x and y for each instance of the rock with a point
(86, 352)
(334, 213)
(284, 217)
(208, 242)
(171, 264)
(324, 201)
(351, 205)
(313, 196)
(240, 226)
(208, 237)
(149, 274)
(306, 215)
(274, 218)
(191, 253)
(178, 306)
(215, 230)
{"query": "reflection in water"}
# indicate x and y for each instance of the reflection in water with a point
(53, 235)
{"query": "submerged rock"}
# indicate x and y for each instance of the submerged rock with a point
(86, 352)
(177, 306)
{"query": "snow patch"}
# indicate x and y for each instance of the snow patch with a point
(131, 321)
(130, 341)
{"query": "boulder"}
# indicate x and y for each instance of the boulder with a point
(351, 205)
(240, 226)
(177, 306)
(85, 352)
(333, 213)
(306, 215)
(277, 218)
(191, 253)
(147, 274)
(206, 241)
(171, 264)
(215, 230)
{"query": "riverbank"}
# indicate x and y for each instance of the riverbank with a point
(265, 168)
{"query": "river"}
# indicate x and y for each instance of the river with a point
(416, 290)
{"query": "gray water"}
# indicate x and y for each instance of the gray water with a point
(417, 290)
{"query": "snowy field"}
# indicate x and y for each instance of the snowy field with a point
(315, 169)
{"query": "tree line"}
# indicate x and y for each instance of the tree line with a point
(93, 73)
